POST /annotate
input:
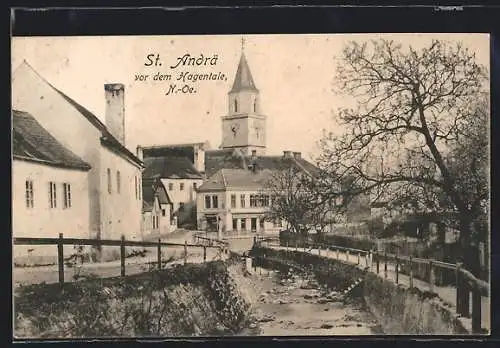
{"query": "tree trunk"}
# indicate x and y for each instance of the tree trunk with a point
(470, 258)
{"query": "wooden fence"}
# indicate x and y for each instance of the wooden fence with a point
(373, 259)
(122, 243)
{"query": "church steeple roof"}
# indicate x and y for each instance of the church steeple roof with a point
(243, 79)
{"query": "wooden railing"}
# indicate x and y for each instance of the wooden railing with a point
(122, 243)
(375, 260)
(206, 240)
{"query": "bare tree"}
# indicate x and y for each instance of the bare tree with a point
(406, 136)
(294, 200)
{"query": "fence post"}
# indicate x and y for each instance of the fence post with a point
(60, 258)
(347, 256)
(385, 264)
(204, 253)
(377, 261)
(411, 273)
(397, 269)
(319, 250)
(359, 258)
(122, 256)
(159, 253)
(185, 251)
(338, 255)
(476, 308)
(431, 276)
(458, 284)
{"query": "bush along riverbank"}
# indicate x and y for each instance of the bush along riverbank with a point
(186, 300)
(399, 310)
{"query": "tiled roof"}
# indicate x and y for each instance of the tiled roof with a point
(107, 138)
(236, 179)
(232, 159)
(32, 142)
(243, 79)
(150, 188)
(170, 167)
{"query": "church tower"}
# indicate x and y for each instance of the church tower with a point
(244, 127)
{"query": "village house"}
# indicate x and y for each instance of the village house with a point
(113, 182)
(157, 216)
(49, 188)
(180, 178)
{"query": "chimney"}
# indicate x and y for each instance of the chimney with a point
(115, 110)
(297, 155)
(287, 154)
(140, 154)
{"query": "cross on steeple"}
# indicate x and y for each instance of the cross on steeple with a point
(242, 44)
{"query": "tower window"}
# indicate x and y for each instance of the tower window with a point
(235, 105)
(255, 105)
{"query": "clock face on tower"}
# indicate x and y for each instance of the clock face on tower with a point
(234, 129)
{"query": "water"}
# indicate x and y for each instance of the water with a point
(293, 305)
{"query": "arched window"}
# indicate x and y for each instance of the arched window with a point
(235, 105)
(255, 105)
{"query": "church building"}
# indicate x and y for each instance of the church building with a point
(232, 197)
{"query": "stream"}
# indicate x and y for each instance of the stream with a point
(291, 303)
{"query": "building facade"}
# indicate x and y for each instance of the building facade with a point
(157, 214)
(114, 187)
(235, 200)
(49, 188)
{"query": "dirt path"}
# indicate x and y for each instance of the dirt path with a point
(294, 306)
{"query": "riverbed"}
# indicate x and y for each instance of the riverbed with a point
(293, 304)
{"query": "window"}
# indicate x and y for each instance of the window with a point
(67, 195)
(136, 191)
(52, 194)
(181, 186)
(155, 222)
(233, 201)
(118, 183)
(253, 201)
(235, 105)
(181, 205)
(207, 201)
(242, 201)
(109, 180)
(255, 105)
(261, 223)
(195, 186)
(163, 212)
(215, 201)
(170, 187)
(235, 224)
(243, 224)
(277, 223)
(29, 194)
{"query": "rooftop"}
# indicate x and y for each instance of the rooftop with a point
(32, 142)
(170, 167)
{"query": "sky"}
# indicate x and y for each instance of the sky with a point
(294, 74)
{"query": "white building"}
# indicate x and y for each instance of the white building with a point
(49, 188)
(157, 215)
(181, 180)
(114, 180)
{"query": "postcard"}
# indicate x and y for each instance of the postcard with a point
(250, 185)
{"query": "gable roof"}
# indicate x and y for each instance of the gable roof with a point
(233, 159)
(152, 189)
(243, 79)
(32, 142)
(107, 138)
(232, 179)
(170, 168)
